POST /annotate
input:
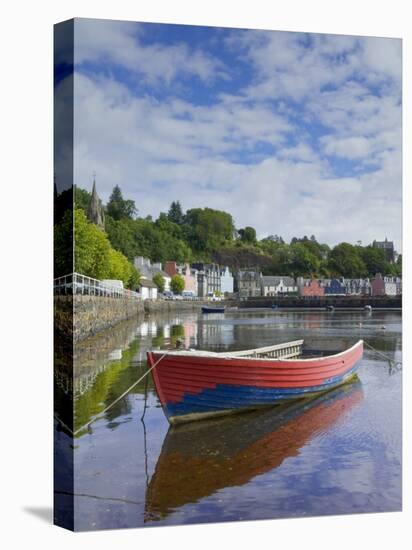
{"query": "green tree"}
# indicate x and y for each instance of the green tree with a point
(345, 260)
(63, 245)
(81, 198)
(95, 257)
(270, 244)
(374, 259)
(248, 235)
(165, 224)
(159, 281)
(91, 248)
(119, 208)
(208, 229)
(177, 284)
(175, 213)
(398, 266)
(302, 261)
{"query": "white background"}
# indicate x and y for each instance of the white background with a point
(26, 171)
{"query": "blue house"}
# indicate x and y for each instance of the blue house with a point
(335, 287)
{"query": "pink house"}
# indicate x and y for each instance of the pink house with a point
(385, 286)
(311, 287)
(190, 277)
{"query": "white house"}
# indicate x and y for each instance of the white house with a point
(148, 289)
(226, 281)
(271, 286)
(148, 270)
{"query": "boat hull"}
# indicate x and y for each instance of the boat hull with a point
(192, 387)
(209, 309)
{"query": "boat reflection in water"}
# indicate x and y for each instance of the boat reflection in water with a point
(200, 458)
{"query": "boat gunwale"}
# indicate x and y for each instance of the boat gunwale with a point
(229, 357)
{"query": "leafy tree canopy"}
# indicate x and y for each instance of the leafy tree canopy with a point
(345, 260)
(208, 229)
(95, 257)
(119, 208)
(206, 234)
(175, 213)
(159, 282)
(247, 235)
(81, 198)
(177, 284)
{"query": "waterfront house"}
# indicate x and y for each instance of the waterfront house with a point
(274, 285)
(334, 287)
(248, 283)
(310, 287)
(148, 270)
(226, 281)
(189, 275)
(358, 287)
(147, 289)
(208, 279)
(386, 286)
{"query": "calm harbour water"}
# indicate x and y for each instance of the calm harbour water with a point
(340, 454)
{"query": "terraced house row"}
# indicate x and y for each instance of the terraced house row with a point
(210, 280)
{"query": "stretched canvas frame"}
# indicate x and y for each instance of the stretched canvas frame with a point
(88, 316)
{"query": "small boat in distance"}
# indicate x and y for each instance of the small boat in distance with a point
(213, 309)
(195, 384)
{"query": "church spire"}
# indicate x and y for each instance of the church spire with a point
(95, 212)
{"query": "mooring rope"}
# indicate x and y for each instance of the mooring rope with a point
(115, 401)
(389, 359)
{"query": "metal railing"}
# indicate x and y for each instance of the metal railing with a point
(75, 283)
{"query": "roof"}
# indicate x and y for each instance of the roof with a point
(147, 283)
(275, 280)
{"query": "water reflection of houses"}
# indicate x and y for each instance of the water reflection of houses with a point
(215, 335)
(147, 328)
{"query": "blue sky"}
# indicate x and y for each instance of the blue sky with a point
(292, 133)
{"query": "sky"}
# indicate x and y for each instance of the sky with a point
(292, 133)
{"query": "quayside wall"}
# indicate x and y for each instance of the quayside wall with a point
(80, 316)
(323, 301)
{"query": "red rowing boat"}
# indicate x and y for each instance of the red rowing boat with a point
(194, 384)
(197, 461)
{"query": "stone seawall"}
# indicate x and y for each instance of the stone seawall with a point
(95, 313)
(172, 305)
(77, 317)
(323, 301)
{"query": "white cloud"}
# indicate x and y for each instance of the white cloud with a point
(120, 43)
(350, 148)
(159, 151)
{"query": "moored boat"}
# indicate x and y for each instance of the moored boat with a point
(194, 384)
(198, 460)
(213, 309)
